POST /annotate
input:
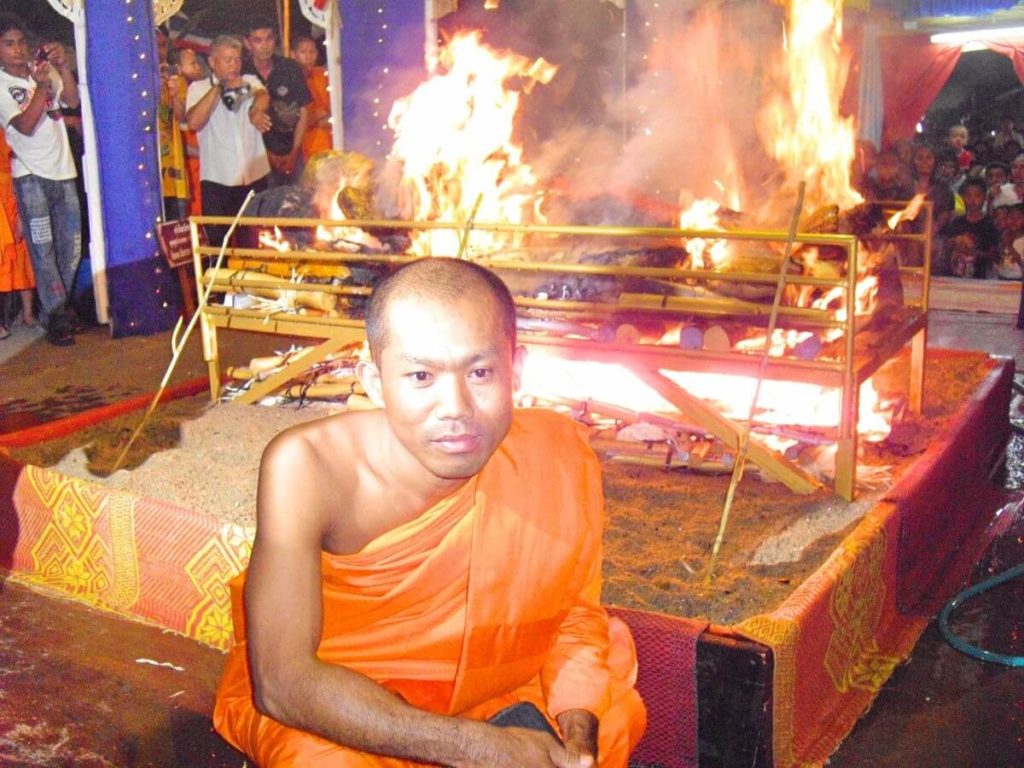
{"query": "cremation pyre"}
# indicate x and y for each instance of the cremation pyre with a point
(635, 302)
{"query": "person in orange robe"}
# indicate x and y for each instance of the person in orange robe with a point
(421, 567)
(318, 134)
(191, 68)
(15, 265)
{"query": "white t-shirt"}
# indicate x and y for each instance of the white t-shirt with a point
(231, 150)
(45, 152)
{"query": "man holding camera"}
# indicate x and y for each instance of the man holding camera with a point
(228, 112)
(34, 85)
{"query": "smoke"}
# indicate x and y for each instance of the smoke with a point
(684, 124)
(659, 100)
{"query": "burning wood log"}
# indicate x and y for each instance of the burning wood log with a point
(288, 293)
(691, 336)
(716, 338)
(636, 331)
(326, 391)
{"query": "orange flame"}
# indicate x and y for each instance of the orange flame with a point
(801, 125)
(341, 238)
(454, 138)
(704, 254)
(545, 375)
(274, 240)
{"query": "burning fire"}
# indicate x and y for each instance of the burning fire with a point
(454, 141)
(801, 124)
(454, 138)
(705, 254)
(781, 403)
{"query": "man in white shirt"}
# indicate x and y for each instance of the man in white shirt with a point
(228, 112)
(33, 87)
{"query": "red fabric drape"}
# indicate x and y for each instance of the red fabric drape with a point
(1014, 51)
(913, 72)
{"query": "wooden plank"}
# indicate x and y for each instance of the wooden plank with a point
(301, 363)
(728, 431)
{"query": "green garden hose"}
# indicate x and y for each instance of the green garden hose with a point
(962, 645)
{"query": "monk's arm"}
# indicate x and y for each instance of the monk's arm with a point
(284, 620)
(575, 676)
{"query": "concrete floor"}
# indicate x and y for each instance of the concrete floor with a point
(83, 688)
(74, 692)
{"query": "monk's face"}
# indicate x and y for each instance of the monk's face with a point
(446, 379)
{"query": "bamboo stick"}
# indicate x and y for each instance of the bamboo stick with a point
(178, 343)
(741, 454)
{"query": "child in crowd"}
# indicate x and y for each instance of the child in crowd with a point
(1012, 246)
(996, 174)
(957, 139)
(170, 114)
(928, 182)
(318, 134)
(190, 69)
(972, 240)
(1006, 137)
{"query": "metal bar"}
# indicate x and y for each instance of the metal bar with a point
(535, 266)
(669, 233)
(846, 447)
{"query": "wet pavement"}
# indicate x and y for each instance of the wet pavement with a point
(82, 688)
(944, 708)
(73, 691)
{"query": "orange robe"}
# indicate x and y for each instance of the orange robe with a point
(489, 598)
(317, 138)
(15, 266)
(191, 144)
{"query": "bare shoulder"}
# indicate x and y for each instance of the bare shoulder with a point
(329, 445)
(310, 475)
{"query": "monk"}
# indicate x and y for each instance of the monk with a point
(318, 134)
(421, 567)
(15, 264)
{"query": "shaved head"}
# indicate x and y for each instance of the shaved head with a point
(442, 280)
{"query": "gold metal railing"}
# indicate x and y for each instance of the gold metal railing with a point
(848, 364)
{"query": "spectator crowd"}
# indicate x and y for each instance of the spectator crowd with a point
(976, 190)
(240, 118)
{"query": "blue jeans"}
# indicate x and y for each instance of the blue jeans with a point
(52, 225)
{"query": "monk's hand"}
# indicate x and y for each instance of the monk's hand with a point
(517, 748)
(579, 732)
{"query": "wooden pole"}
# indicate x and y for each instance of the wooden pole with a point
(741, 455)
(286, 26)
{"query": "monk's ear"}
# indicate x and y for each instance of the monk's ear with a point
(518, 356)
(369, 376)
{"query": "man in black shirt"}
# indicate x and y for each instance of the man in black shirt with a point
(289, 101)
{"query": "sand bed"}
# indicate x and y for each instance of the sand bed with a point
(661, 523)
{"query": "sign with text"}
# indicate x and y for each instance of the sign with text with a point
(175, 242)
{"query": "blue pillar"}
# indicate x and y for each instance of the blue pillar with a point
(124, 91)
(382, 47)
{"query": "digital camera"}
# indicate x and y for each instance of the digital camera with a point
(233, 98)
